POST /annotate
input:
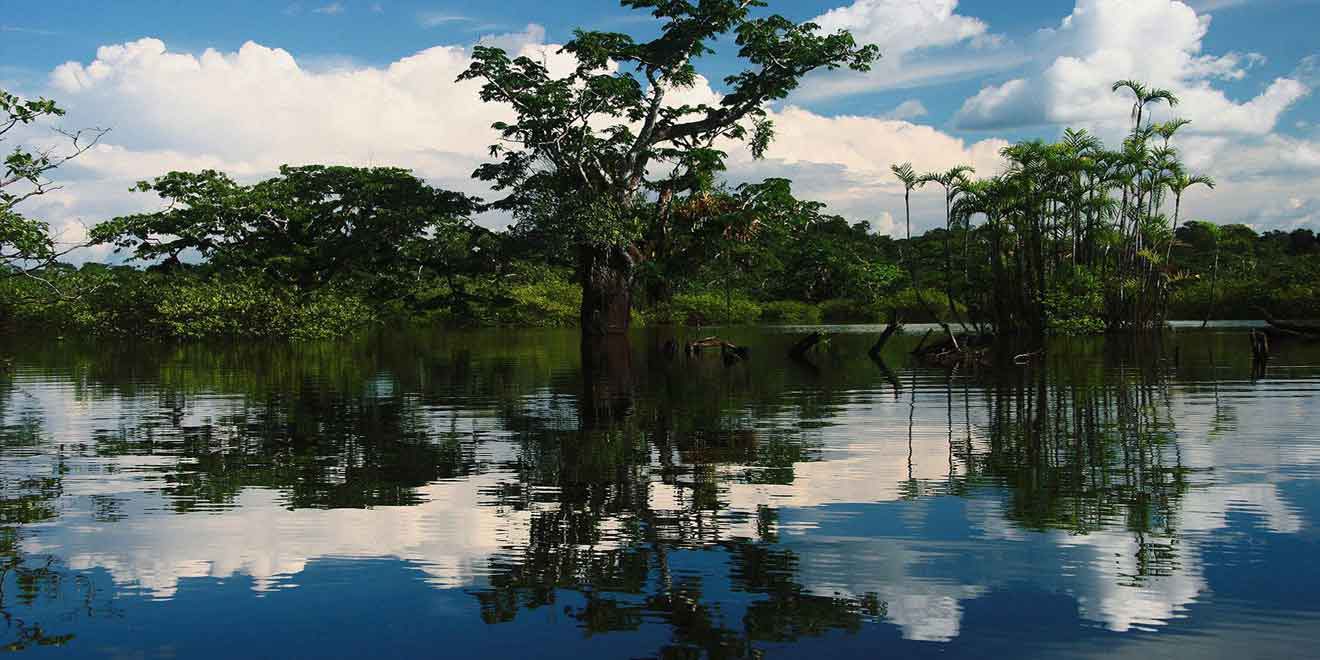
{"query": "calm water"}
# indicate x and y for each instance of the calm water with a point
(484, 494)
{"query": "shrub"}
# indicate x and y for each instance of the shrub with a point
(790, 312)
(1074, 305)
(707, 308)
(850, 310)
(910, 309)
(550, 303)
(124, 301)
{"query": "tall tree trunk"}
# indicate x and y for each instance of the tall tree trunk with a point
(948, 258)
(1214, 280)
(909, 257)
(607, 274)
(607, 381)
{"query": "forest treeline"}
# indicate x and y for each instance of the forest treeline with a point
(620, 216)
(414, 254)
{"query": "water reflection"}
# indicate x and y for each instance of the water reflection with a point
(678, 506)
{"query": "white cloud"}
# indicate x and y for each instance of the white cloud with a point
(248, 111)
(1155, 41)
(27, 30)
(903, 26)
(332, 9)
(923, 42)
(1161, 42)
(435, 19)
(844, 161)
(909, 109)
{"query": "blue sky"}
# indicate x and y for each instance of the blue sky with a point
(960, 76)
(376, 33)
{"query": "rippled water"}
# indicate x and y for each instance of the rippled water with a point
(428, 494)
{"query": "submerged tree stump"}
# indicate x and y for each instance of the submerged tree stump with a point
(799, 350)
(956, 350)
(730, 352)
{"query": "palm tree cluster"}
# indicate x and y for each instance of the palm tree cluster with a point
(1070, 230)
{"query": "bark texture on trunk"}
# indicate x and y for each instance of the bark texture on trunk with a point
(607, 274)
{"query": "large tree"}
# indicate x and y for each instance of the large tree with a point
(307, 228)
(599, 154)
(26, 245)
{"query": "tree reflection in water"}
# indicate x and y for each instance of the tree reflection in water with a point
(40, 597)
(613, 467)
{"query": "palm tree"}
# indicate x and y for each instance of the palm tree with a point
(1067, 214)
(910, 181)
(1168, 128)
(1144, 96)
(1215, 233)
(1180, 182)
(954, 181)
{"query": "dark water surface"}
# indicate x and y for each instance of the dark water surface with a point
(484, 494)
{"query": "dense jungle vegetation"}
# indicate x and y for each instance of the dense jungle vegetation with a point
(620, 216)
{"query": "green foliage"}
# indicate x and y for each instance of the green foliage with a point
(1247, 272)
(247, 308)
(311, 227)
(707, 308)
(132, 303)
(907, 306)
(790, 312)
(1074, 305)
(586, 148)
(602, 128)
(1012, 243)
(904, 304)
(25, 243)
(850, 310)
(552, 302)
(23, 239)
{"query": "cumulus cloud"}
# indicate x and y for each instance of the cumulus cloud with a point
(1155, 41)
(909, 109)
(248, 111)
(903, 26)
(844, 161)
(915, 37)
(1161, 42)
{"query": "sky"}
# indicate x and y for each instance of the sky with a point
(246, 85)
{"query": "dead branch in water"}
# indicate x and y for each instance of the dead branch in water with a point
(799, 349)
(893, 326)
(730, 351)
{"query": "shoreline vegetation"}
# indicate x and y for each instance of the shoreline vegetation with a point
(131, 302)
(620, 217)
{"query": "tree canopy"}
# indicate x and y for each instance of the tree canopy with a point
(309, 227)
(25, 243)
(586, 149)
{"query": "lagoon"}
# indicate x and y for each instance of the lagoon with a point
(427, 493)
